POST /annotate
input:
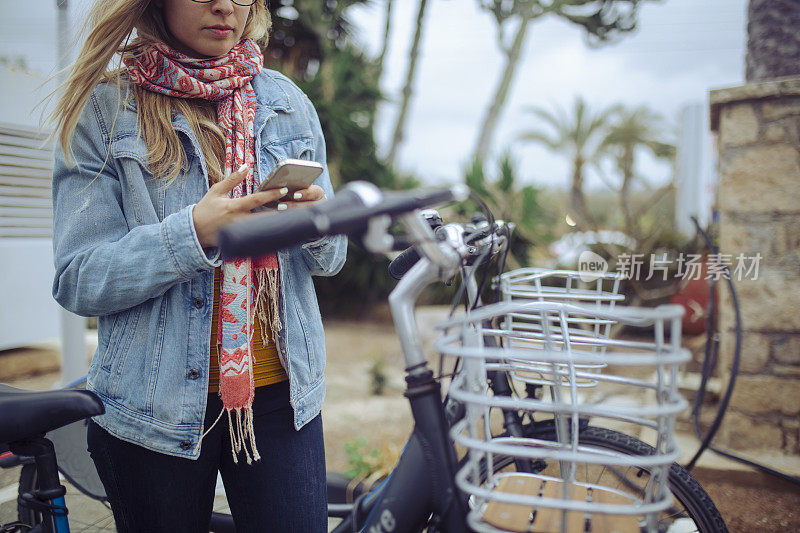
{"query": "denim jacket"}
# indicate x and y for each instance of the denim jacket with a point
(126, 250)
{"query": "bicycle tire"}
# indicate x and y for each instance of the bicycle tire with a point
(685, 489)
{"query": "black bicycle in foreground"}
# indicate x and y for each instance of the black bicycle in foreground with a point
(430, 488)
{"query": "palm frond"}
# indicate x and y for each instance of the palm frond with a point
(542, 138)
(506, 181)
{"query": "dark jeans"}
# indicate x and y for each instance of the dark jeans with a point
(284, 491)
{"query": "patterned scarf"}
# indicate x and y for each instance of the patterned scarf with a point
(248, 286)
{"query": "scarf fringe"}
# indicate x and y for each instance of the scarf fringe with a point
(242, 431)
(206, 432)
(267, 298)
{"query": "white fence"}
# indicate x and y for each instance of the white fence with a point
(28, 314)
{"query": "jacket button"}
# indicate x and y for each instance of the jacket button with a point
(194, 373)
(199, 303)
(185, 444)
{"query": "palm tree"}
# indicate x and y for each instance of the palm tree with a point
(579, 138)
(603, 21)
(525, 11)
(402, 116)
(387, 27)
(773, 42)
(312, 35)
(382, 56)
(630, 130)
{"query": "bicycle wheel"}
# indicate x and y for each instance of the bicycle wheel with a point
(692, 509)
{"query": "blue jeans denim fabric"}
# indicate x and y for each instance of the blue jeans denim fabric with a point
(284, 491)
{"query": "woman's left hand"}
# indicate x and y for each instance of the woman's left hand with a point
(302, 197)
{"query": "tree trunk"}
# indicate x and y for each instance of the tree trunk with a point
(773, 39)
(489, 123)
(577, 202)
(328, 90)
(385, 46)
(399, 128)
(386, 32)
(626, 167)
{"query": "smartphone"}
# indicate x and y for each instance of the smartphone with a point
(295, 174)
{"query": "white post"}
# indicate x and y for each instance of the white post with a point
(62, 27)
(74, 354)
(73, 327)
(695, 174)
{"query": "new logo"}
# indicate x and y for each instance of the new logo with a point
(591, 266)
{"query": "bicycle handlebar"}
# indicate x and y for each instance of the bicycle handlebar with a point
(477, 240)
(347, 213)
(403, 263)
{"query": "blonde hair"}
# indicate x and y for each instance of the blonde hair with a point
(110, 23)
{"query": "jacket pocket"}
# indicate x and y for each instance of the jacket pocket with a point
(122, 332)
(306, 310)
(301, 147)
(144, 193)
(117, 325)
(313, 365)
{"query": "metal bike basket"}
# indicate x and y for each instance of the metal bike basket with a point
(556, 489)
(558, 286)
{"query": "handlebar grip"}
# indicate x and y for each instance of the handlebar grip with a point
(347, 213)
(267, 232)
(403, 263)
(409, 257)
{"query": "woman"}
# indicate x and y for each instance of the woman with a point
(155, 156)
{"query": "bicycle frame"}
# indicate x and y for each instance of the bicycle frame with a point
(49, 497)
(422, 484)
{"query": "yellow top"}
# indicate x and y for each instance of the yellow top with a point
(267, 368)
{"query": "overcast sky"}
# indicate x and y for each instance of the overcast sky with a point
(682, 49)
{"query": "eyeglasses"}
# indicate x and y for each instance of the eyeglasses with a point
(237, 2)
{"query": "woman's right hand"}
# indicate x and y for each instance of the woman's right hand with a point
(217, 209)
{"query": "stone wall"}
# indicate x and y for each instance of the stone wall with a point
(758, 197)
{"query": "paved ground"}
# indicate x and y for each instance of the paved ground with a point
(749, 501)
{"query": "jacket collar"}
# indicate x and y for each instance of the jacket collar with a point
(269, 93)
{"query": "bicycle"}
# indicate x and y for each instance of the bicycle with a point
(422, 490)
(403, 501)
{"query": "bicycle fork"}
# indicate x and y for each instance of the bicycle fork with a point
(421, 485)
